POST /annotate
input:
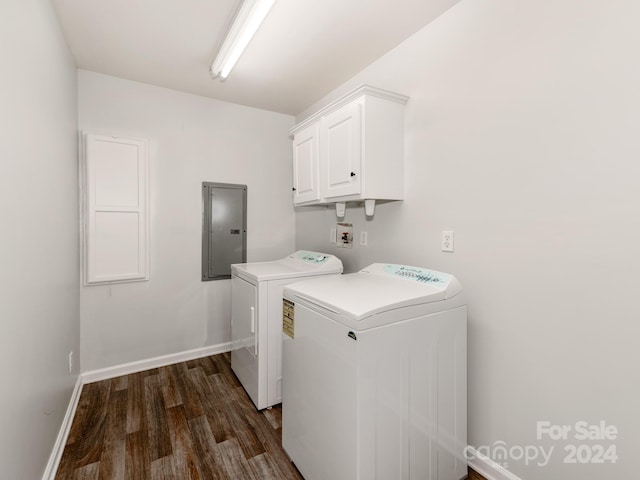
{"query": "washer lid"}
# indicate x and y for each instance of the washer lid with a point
(299, 264)
(376, 289)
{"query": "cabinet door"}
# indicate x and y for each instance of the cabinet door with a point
(341, 151)
(306, 185)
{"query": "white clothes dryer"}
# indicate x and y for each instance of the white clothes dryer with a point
(375, 375)
(256, 318)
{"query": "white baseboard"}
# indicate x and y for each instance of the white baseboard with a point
(487, 467)
(147, 364)
(63, 433)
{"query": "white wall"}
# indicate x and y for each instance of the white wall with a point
(192, 139)
(39, 298)
(522, 137)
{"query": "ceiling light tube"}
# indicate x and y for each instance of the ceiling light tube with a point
(244, 27)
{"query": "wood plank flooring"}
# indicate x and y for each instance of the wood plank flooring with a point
(191, 420)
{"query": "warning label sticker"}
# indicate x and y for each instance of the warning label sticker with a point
(288, 317)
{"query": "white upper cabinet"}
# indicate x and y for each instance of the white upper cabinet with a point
(306, 183)
(358, 143)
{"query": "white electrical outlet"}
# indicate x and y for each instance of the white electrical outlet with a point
(332, 235)
(364, 239)
(447, 241)
(70, 361)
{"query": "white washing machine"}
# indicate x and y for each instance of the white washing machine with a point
(375, 375)
(256, 318)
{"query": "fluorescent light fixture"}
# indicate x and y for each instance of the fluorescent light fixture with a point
(244, 27)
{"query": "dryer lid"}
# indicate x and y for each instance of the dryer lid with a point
(299, 264)
(376, 289)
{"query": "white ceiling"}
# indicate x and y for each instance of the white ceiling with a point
(304, 49)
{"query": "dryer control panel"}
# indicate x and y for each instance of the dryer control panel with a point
(416, 274)
(311, 257)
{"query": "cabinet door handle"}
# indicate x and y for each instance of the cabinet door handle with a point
(353, 174)
(293, 189)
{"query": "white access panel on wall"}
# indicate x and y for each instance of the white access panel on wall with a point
(115, 209)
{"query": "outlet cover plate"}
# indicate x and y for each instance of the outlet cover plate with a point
(447, 241)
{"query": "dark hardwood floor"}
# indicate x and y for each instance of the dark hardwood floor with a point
(473, 475)
(191, 420)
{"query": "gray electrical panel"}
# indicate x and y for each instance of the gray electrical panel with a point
(224, 228)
